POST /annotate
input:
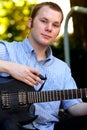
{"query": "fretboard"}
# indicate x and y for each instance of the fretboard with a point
(45, 96)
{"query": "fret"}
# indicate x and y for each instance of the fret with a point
(47, 98)
(41, 93)
(44, 98)
(30, 97)
(57, 95)
(45, 95)
(39, 96)
(86, 92)
(60, 94)
(35, 97)
(71, 93)
(54, 96)
(76, 94)
(79, 93)
(63, 94)
(83, 93)
(67, 94)
(50, 95)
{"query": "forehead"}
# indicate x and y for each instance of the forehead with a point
(50, 14)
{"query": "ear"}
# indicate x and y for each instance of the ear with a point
(30, 22)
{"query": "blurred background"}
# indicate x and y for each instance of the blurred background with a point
(14, 15)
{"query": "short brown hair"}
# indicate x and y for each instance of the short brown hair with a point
(52, 5)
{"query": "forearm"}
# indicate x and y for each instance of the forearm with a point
(5, 66)
(21, 72)
(79, 109)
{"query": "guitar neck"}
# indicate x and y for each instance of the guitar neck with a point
(11, 94)
(45, 96)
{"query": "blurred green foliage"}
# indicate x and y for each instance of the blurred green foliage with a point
(14, 19)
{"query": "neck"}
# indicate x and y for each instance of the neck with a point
(39, 49)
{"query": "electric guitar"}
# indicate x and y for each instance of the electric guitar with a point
(16, 97)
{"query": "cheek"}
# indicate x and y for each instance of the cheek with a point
(57, 32)
(35, 33)
(37, 28)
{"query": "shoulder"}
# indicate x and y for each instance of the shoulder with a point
(6, 43)
(61, 65)
(59, 62)
(13, 44)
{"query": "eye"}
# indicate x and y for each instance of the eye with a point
(56, 25)
(44, 21)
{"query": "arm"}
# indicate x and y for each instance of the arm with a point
(79, 109)
(74, 107)
(21, 72)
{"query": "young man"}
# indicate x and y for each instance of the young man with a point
(32, 57)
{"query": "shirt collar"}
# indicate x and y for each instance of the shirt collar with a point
(28, 48)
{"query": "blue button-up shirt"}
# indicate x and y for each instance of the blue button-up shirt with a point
(58, 78)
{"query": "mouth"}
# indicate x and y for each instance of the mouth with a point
(46, 36)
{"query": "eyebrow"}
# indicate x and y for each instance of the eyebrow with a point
(48, 20)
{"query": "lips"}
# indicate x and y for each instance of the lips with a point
(46, 36)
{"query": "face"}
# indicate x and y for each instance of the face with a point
(46, 26)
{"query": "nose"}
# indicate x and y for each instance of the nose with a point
(49, 27)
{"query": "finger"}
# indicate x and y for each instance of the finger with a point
(35, 77)
(34, 71)
(31, 82)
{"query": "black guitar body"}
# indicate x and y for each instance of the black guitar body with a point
(16, 98)
(18, 112)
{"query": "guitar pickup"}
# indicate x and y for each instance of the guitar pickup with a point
(5, 100)
(22, 98)
(13, 100)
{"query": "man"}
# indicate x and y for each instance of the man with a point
(27, 60)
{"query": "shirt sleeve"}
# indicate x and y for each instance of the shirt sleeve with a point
(3, 55)
(3, 52)
(69, 83)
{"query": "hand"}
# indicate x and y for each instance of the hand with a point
(22, 72)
